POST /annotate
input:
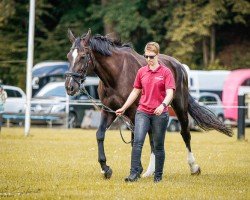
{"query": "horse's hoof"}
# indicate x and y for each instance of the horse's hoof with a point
(148, 173)
(197, 172)
(108, 173)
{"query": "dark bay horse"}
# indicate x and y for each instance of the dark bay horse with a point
(117, 65)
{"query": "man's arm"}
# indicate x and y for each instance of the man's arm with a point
(131, 98)
(167, 100)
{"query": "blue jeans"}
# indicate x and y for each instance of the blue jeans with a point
(158, 125)
(1, 118)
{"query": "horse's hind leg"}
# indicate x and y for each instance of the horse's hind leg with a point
(182, 115)
(151, 166)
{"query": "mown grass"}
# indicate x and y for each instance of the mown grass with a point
(62, 164)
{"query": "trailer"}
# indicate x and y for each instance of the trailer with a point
(207, 81)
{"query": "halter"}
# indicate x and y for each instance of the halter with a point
(80, 76)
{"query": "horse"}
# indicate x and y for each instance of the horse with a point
(117, 64)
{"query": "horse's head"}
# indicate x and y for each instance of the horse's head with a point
(80, 59)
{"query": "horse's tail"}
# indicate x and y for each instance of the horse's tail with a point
(206, 119)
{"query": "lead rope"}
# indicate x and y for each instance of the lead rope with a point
(121, 117)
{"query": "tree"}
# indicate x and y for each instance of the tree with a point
(125, 18)
(13, 38)
(194, 23)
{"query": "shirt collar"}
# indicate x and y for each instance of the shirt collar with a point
(148, 68)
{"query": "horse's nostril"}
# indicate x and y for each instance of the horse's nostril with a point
(71, 88)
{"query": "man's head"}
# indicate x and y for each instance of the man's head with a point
(152, 50)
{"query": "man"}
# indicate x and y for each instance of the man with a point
(3, 97)
(156, 85)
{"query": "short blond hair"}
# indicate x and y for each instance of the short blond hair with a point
(152, 46)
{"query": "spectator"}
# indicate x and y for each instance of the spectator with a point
(3, 97)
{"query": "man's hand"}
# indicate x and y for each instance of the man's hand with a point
(159, 110)
(120, 111)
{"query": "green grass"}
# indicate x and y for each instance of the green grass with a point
(57, 163)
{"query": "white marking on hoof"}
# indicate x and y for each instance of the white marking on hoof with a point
(151, 166)
(196, 170)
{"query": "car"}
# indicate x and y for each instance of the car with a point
(212, 101)
(47, 71)
(52, 100)
(15, 103)
(208, 99)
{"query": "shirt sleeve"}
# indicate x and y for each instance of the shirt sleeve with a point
(169, 81)
(137, 82)
(5, 96)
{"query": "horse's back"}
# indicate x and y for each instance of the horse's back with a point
(177, 69)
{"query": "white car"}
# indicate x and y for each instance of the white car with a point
(51, 100)
(212, 101)
(15, 103)
(208, 99)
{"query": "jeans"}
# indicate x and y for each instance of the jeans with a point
(1, 118)
(158, 125)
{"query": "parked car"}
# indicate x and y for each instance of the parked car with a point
(213, 102)
(15, 103)
(45, 72)
(51, 100)
(208, 99)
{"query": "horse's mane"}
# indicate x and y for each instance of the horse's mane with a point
(104, 44)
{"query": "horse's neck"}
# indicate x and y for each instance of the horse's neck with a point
(109, 68)
(105, 68)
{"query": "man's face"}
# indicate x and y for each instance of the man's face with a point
(151, 57)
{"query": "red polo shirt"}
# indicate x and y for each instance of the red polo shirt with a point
(153, 85)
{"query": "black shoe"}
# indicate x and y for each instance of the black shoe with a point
(157, 179)
(132, 177)
(140, 170)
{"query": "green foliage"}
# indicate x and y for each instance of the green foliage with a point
(6, 11)
(189, 24)
(13, 39)
(127, 17)
(178, 27)
(56, 44)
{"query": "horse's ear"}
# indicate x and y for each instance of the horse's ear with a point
(87, 37)
(71, 36)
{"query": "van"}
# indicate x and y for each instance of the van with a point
(237, 78)
(207, 81)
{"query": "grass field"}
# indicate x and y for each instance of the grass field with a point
(62, 164)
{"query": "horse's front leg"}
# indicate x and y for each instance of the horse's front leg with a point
(151, 166)
(106, 120)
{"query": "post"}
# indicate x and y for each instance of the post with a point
(67, 112)
(243, 90)
(29, 66)
(241, 117)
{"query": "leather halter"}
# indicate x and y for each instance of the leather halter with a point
(80, 76)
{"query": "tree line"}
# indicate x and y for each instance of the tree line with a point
(204, 34)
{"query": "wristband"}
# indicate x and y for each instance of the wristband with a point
(164, 105)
